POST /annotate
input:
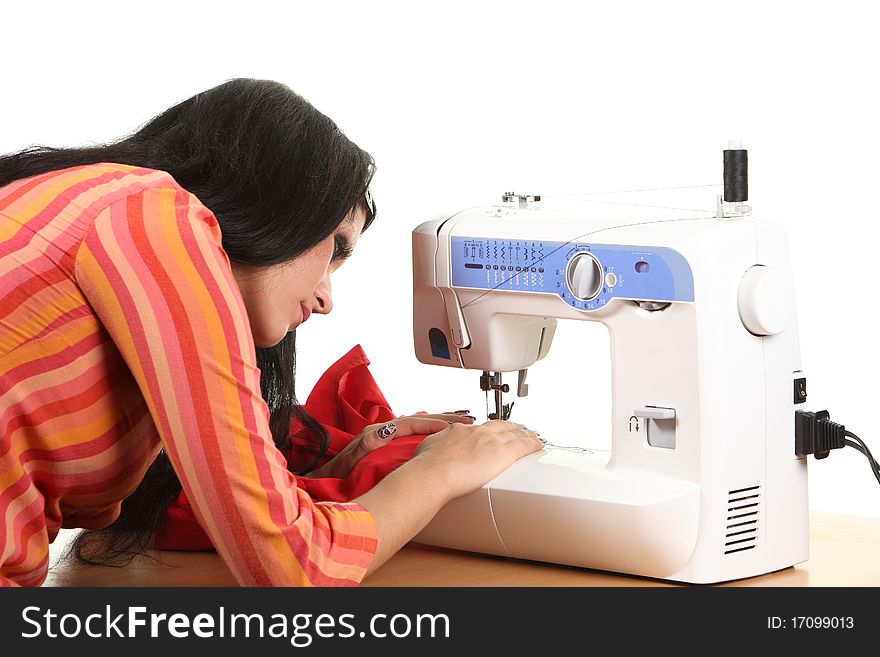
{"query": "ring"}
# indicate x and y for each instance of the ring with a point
(387, 430)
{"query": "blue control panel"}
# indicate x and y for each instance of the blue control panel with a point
(628, 272)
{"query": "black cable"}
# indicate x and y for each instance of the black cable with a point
(863, 448)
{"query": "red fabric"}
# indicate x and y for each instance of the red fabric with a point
(344, 400)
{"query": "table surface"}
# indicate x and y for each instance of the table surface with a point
(843, 552)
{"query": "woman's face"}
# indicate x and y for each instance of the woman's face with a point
(281, 297)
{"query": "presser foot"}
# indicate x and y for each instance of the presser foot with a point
(491, 382)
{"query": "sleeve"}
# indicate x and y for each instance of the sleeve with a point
(153, 268)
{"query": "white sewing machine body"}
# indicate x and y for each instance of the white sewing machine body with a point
(702, 483)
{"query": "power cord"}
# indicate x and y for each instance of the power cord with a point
(863, 448)
(816, 434)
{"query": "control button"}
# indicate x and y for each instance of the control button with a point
(766, 300)
(800, 390)
(584, 276)
(610, 279)
(659, 425)
(655, 412)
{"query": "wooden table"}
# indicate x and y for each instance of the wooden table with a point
(844, 551)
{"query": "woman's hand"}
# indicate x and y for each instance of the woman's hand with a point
(452, 462)
(375, 436)
(474, 455)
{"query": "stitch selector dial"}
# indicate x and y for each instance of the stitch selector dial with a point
(584, 276)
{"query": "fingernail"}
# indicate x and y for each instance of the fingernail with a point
(464, 412)
(471, 417)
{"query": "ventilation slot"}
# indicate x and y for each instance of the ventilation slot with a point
(743, 511)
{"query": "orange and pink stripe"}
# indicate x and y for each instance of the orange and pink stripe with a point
(122, 331)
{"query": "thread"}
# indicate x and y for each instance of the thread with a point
(736, 175)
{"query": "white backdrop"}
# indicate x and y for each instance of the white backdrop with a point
(462, 101)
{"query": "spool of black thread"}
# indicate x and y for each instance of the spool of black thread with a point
(736, 175)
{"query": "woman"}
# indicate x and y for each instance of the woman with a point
(138, 281)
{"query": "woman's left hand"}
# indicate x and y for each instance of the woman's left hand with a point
(375, 436)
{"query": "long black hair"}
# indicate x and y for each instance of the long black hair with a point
(280, 177)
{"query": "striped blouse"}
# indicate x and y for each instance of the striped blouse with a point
(122, 331)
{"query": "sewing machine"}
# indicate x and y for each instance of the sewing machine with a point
(701, 483)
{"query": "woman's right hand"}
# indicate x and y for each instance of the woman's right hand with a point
(472, 455)
(452, 462)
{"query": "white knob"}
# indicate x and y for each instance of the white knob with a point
(584, 276)
(766, 300)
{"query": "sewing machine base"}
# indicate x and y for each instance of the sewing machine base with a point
(580, 509)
